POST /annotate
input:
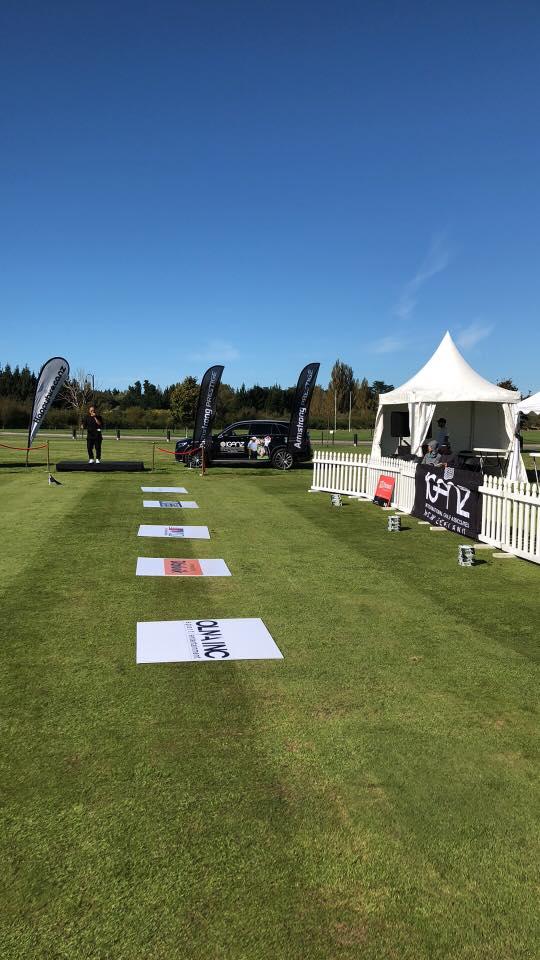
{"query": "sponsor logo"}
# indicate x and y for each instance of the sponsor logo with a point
(232, 444)
(182, 568)
(452, 495)
(211, 639)
(174, 532)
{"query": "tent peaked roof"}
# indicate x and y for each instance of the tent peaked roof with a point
(530, 404)
(447, 377)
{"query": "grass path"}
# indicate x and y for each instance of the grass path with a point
(373, 795)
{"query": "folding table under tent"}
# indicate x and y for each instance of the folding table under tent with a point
(530, 404)
(479, 414)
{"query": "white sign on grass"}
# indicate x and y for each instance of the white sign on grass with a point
(185, 504)
(181, 567)
(163, 489)
(177, 641)
(178, 533)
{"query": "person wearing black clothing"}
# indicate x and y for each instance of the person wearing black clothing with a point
(93, 425)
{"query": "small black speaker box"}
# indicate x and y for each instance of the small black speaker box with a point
(399, 423)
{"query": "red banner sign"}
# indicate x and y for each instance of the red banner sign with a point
(384, 491)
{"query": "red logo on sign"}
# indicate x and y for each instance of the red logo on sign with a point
(182, 568)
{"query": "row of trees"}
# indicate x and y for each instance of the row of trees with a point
(347, 401)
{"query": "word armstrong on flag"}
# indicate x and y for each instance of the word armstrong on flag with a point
(206, 404)
(302, 402)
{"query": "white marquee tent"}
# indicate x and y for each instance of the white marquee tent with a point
(478, 413)
(530, 404)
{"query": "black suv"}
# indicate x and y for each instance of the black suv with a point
(231, 444)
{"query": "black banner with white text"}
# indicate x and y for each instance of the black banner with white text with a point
(302, 401)
(449, 498)
(206, 404)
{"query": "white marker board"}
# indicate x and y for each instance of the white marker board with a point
(205, 641)
(163, 489)
(171, 504)
(176, 533)
(181, 567)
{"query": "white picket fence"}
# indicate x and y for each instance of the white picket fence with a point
(357, 475)
(510, 510)
(511, 517)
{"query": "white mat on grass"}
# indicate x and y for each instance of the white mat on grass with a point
(185, 504)
(181, 567)
(176, 641)
(180, 533)
(163, 489)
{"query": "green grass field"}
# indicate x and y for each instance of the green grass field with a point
(374, 795)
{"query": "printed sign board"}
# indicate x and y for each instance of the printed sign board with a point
(452, 502)
(180, 567)
(177, 533)
(204, 641)
(163, 489)
(173, 504)
(384, 491)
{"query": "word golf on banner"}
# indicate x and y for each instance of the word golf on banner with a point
(163, 489)
(173, 504)
(185, 641)
(384, 491)
(181, 567)
(454, 503)
(178, 533)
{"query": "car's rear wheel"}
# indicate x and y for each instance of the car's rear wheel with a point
(282, 459)
(195, 460)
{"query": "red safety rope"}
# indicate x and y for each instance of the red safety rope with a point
(7, 447)
(183, 453)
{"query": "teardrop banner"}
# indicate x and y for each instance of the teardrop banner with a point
(206, 404)
(205, 641)
(51, 379)
(302, 401)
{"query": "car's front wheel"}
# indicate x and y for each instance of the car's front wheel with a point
(282, 459)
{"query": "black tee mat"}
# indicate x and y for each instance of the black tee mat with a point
(107, 466)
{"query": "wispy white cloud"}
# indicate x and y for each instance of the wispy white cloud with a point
(216, 351)
(473, 334)
(387, 345)
(437, 259)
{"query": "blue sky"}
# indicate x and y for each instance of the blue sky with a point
(268, 183)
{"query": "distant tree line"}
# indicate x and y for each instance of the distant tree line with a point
(346, 401)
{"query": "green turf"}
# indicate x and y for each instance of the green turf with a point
(373, 795)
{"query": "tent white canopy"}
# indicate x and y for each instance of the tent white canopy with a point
(530, 404)
(478, 413)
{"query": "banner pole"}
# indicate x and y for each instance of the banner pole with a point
(153, 455)
(202, 461)
(27, 452)
(48, 459)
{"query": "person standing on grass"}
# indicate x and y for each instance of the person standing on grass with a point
(93, 425)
